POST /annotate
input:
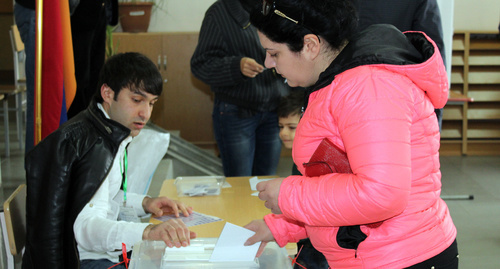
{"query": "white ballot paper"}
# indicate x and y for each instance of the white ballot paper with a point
(253, 184)
(192, 220)
(255, 180)
(230, 245)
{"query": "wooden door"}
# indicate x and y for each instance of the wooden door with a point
(186, 103)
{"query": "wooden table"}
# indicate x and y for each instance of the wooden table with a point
(458, 98)
(234, 205)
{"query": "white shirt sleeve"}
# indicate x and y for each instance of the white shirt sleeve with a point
(97, 229)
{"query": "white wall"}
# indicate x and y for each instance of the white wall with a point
(474, 15)
(187, 15)
(180, 16)
(446, 8)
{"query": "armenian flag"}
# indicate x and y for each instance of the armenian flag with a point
(55, 83)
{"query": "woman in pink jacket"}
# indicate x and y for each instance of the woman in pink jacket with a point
(371, 106)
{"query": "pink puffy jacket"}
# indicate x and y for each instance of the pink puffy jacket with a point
(383, 116)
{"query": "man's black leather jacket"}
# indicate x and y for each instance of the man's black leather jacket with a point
(62, 173)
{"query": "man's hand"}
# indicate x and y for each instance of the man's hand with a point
(173, 232)
(250, 68)
(269, 192)
(262, 233)
(160, 206)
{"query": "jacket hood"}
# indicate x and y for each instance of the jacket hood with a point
(412, 54)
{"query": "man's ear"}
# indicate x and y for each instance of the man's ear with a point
(312, 46)
(107, 93)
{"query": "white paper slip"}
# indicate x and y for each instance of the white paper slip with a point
(254, 181)
(192, 220)
(230, 245)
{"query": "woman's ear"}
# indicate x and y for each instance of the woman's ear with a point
(312, 46)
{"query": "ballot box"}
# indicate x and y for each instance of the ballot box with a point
(155, 255)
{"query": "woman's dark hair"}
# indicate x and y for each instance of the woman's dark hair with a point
(292, 103)
(332, 20)
(129, 70)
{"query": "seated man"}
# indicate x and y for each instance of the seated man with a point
(77, 214)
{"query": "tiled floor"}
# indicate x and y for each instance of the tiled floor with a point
(477, 220)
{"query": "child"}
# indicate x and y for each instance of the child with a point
(289, 114)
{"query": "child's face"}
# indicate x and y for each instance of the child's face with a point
(287, 129)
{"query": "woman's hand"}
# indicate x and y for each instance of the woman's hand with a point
(262, 234)
(269, 191)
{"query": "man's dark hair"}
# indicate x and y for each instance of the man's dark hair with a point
(129, 70)
(291, 104)
(334, 21)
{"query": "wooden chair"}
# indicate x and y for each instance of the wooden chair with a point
(15, 222)
(18, 90)
(19, 55)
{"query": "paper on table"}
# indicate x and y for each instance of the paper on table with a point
(192, 220)
(230, 245)
(226, 185)
(254, 181)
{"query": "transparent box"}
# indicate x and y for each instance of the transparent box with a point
(155, 255)
(199, 185)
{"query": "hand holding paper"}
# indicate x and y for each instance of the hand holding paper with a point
(269, 192)
(262, 234)
(230, 245)
(255, 180)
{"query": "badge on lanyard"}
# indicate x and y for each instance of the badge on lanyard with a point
(127, 213)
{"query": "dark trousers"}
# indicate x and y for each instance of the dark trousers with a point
(89, 47)
(249, 146)
(26, 23)
(309, 257)
(448, 259)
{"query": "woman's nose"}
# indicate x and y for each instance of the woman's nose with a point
(269, 62)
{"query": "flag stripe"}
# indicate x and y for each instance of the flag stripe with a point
(68, 59)
(52, 67)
